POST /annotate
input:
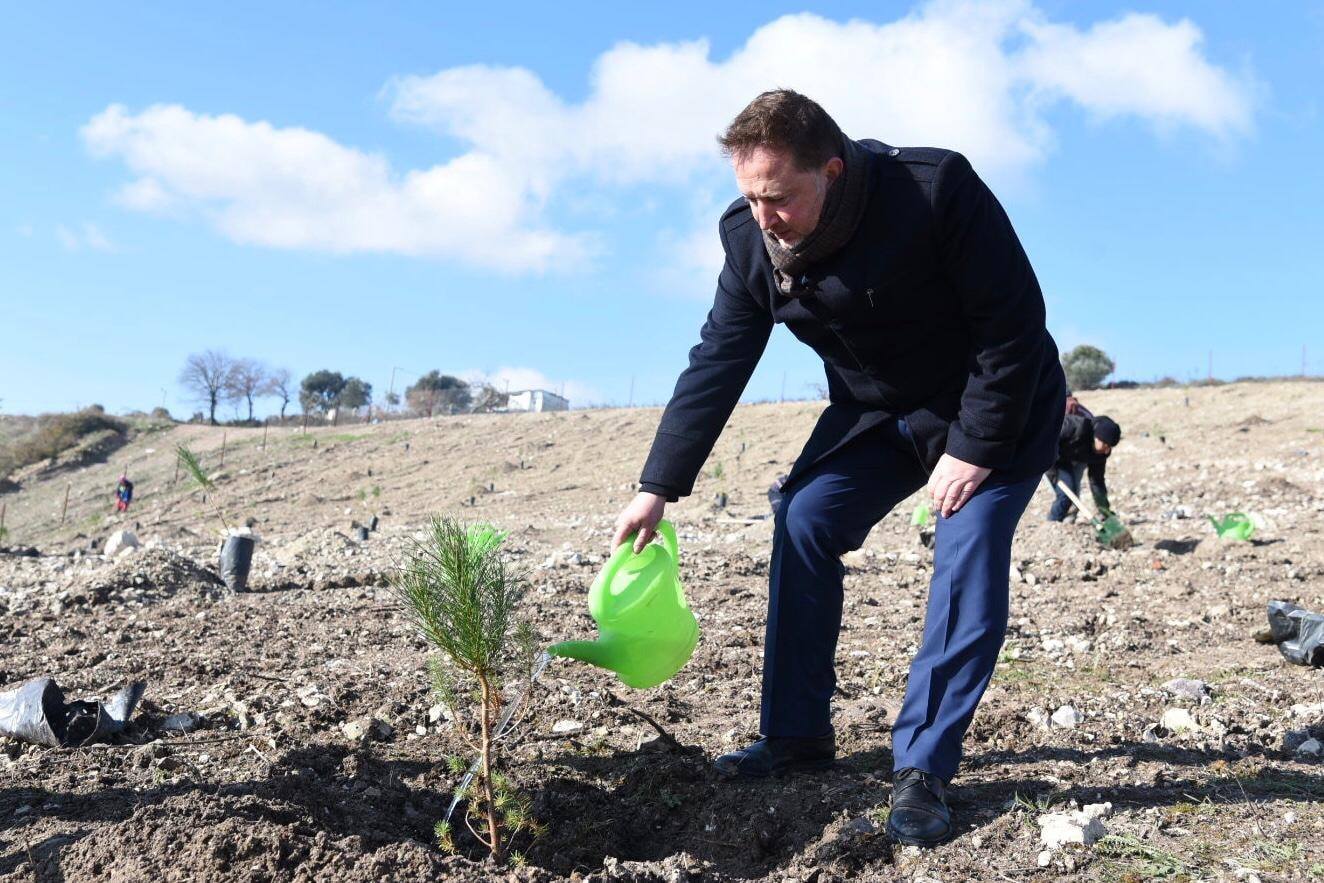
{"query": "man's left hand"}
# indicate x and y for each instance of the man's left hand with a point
(953, 483)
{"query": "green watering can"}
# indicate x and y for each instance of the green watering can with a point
(648, 632)
(1234, 526)
(484, 537)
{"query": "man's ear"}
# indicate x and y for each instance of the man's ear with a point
(833, 168)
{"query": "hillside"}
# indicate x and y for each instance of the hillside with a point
(272, 788)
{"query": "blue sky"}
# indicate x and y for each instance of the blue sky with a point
(530, 192)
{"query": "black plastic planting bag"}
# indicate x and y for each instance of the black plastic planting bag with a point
(775, 494)
(1298, 633)
(36, 712)
(236, 561)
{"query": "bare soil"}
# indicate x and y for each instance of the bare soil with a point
(269, 787)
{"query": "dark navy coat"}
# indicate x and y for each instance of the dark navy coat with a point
(930, 312)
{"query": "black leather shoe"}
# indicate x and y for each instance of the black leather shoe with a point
(778, 756)
(919, 815)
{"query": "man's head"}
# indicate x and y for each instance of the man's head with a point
(1106, 434)
(786, 151)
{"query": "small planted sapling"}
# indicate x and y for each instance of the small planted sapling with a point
(237, 546)
(718, 473)
(457, 589)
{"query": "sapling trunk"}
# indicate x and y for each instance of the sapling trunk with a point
(493, 829)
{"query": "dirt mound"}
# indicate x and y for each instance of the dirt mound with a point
(153, 573)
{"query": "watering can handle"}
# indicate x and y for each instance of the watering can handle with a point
(668, 532)
(625, 550)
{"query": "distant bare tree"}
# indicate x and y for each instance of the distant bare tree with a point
(204, 377)
(245, 382)
(278, 386)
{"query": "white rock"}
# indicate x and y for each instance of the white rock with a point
(184, 722)
(1039, 718)
(1045, 859)
(1179, 720)
(1062, 828)
(439, 712)
(1310, 748)
(1097, 810)
(567, 726)
(120, 541)
(1188, 688)
(855, 560)
(1067, 718)
(1080, 645)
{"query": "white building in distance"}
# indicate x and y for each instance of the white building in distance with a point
(536, 400)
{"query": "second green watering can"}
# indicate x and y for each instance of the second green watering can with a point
(647, 630)
(1234, 526)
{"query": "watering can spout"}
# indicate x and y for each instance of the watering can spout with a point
(592, 652)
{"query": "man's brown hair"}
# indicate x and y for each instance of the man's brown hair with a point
(784, 120)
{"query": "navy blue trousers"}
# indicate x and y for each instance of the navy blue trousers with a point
(829, 512)
(1070, 476)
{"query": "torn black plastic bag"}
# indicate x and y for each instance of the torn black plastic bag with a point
(36, 712)
(1298, 633)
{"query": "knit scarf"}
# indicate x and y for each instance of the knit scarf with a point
(843, 206)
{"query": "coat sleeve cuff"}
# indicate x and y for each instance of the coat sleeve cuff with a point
(660, 490)
(982, 452)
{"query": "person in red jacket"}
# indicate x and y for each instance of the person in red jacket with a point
(123, 494)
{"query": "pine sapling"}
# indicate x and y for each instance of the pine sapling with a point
(457, 590)
(201, 479)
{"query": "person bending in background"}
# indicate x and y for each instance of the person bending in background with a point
(1083, 447)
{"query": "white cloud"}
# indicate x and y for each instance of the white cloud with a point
(24, 230)
(513, 379)
(981, 77)
(89, 236)
(974, 76)
(298, 189)
(1136, 65)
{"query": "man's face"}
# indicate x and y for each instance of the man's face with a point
(1103, 447)
(786, 201)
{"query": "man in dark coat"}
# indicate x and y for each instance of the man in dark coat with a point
(1083, 446)
(901, 270)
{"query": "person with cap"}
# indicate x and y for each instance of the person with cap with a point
(1084, 446)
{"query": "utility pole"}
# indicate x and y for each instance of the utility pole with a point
(1211, 364)
(782, 397)
(64, 510)
(631, 402)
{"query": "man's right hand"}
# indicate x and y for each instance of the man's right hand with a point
(640, 518)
